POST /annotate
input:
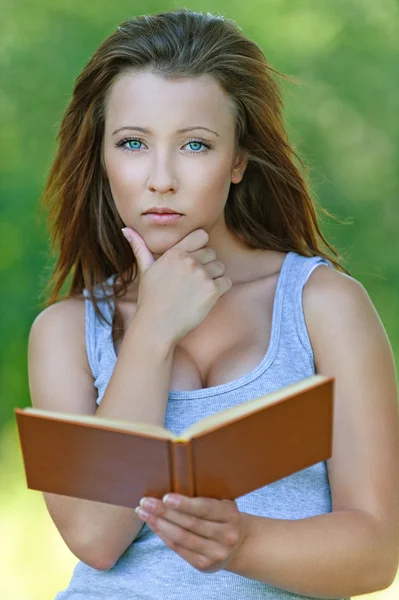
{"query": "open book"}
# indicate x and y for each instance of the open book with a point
(225, 455)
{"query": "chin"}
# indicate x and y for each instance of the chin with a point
(159, 242)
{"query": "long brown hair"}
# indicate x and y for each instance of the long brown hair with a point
(271, 208)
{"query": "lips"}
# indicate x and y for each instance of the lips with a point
(163, 218)
(159, 210)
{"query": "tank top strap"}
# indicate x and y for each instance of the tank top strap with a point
(293, 316)
(97, 332)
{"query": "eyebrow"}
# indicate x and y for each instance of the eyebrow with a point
(144, 130)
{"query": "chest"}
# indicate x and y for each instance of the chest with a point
(231, 341)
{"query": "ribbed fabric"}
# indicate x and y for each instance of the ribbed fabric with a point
(148, 569)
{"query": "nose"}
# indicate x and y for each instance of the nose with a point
(161, 177)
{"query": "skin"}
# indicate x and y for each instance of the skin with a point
(205, 532)
(165, 169)
(346, 552)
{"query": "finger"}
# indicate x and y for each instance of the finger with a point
(209, 509)
(204, 255)
(140, 249)
(193, 241)
(199, 551)
(198, 561)
(215, 269)
(207, 529)
(224, 284)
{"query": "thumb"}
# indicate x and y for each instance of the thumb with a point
(140, 249)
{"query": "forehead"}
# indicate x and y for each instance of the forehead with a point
(147, 99)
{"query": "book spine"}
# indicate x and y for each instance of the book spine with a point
(182, 468)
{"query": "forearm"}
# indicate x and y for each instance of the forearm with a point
(338, 554)
(139, 386)
(137, 391)
(88, 528)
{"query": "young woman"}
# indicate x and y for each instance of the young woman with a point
(227, 301)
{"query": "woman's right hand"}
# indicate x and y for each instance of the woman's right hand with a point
(178, 290)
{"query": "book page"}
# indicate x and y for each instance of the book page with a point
(230, 414)
(145, 428)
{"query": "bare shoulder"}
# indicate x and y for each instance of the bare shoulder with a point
(70, 309)
(325, 280)
(350, 343)
(59, 374)
(345, 330)
(67, 317)
(336, 302)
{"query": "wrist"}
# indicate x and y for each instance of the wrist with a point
(151, 334)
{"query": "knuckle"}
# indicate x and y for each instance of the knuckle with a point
(220, 556)
(189, 260)
(211, 287)
(176, 253)
(192, 522)
(221, 265)
(202, 273)
(202, 562)
(204, 235)
(181, 537)
(173, 545)
(231, 538)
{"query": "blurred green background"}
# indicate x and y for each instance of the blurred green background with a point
(342, 119)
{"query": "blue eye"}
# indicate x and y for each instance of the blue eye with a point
(194, 142)
(133, 141)
(122, 144)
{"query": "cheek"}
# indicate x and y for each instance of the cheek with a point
(215, 180)
(215, 188)
(122, 180)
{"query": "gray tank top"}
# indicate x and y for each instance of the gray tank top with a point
(150, 570)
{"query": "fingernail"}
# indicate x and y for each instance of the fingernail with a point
(141, 513)
(170, 501)
(127, 234)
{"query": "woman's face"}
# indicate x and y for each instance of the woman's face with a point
(189, 172)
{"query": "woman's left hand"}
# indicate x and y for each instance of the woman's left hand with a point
(207, 533)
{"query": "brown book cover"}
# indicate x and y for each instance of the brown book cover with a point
(224, 455)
